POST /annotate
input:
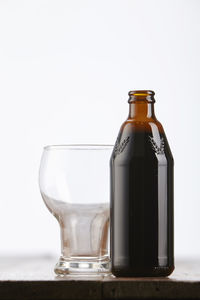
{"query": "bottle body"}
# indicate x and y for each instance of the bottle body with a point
(142, 200)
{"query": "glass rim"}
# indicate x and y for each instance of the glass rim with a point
(79, 147)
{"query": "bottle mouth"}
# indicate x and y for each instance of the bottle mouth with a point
(141, 95)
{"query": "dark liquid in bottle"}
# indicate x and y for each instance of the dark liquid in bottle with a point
(142, 202)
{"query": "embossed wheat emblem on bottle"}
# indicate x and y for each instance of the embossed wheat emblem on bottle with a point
(158, 149)
(119, 147)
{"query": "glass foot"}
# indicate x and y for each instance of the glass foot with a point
(66, 266)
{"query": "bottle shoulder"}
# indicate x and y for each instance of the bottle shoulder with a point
(142, 139)
(142, 125)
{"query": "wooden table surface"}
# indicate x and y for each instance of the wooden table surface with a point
(33, 278)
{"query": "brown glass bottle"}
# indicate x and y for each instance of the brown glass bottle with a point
(142, 194)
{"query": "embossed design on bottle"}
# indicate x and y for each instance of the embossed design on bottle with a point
(119, 147)
(158, 149)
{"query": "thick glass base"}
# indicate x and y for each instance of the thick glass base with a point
(82, 266)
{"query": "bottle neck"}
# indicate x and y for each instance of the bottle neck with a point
(141, 111)
(141, 105)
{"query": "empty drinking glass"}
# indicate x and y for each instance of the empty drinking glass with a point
(74, 184)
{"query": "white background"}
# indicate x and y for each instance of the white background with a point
(65, 70)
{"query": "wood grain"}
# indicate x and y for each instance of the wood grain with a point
(33, 278)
